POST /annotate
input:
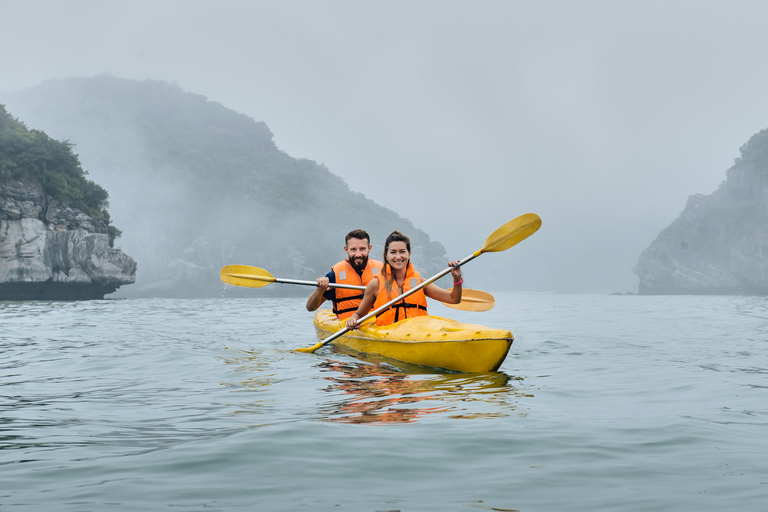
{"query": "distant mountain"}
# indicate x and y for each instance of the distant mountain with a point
(719, 244)
(195, 186)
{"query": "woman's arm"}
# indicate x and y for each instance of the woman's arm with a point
(369, 297)
(452, 296)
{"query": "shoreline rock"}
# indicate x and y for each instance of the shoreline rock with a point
(49, 251)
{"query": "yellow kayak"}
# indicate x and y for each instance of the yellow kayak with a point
(425, 340)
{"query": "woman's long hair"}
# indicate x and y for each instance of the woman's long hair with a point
(387, 274)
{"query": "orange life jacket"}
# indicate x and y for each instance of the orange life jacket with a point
(347, 301)
(411, 306)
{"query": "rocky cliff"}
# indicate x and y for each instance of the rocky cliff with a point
(719, 244)
(50, 251)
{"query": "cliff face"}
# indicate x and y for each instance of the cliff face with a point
(49, 251)
(719, 244)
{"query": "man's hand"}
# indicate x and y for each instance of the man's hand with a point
(316, 299)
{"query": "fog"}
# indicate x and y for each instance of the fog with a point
(600, 116)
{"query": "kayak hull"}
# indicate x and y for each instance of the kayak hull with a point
(426, 340)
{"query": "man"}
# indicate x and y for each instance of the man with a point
(357, 269)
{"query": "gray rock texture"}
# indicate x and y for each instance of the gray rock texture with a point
(49, 251)
(719, 244)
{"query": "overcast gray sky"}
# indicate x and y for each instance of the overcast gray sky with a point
(600, 116)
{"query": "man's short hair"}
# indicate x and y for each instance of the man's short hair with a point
(360, 234)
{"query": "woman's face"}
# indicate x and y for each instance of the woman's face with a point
(398, 255)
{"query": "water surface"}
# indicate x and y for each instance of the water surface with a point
(604, 403)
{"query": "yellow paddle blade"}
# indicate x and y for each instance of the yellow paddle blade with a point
(309, 350)
(473, 300)
(245, 275)
(511, 233)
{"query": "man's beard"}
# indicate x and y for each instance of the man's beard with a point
(359, 263)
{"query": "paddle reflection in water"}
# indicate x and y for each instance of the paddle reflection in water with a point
(380, 394)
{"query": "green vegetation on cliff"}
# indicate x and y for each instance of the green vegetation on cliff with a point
(31, 154)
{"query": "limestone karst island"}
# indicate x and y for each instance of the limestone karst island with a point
(56, 242)
(719, 244)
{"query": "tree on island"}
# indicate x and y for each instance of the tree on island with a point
(32, 155)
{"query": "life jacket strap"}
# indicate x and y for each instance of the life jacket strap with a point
(338, 311)
(404, 306)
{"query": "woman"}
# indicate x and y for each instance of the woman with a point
(397, 277)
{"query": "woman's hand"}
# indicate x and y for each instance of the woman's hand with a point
(352, 321)
(456, 272)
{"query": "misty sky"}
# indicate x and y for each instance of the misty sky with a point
(600, 116)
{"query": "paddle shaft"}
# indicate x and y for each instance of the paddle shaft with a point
(270, 279)
(313, 283)
(398, 299)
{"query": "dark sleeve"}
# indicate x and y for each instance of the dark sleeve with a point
(330, 293)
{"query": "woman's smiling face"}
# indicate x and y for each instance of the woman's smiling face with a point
(398, 255)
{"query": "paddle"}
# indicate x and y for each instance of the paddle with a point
(254, 277)
(511, 233)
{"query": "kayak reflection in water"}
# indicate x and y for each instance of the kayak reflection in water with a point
(377, 394)
(397, 277)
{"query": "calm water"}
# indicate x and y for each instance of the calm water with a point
(604, 403)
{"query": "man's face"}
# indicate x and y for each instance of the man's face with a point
(357, 250)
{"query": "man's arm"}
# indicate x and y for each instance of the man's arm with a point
(319, 295)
